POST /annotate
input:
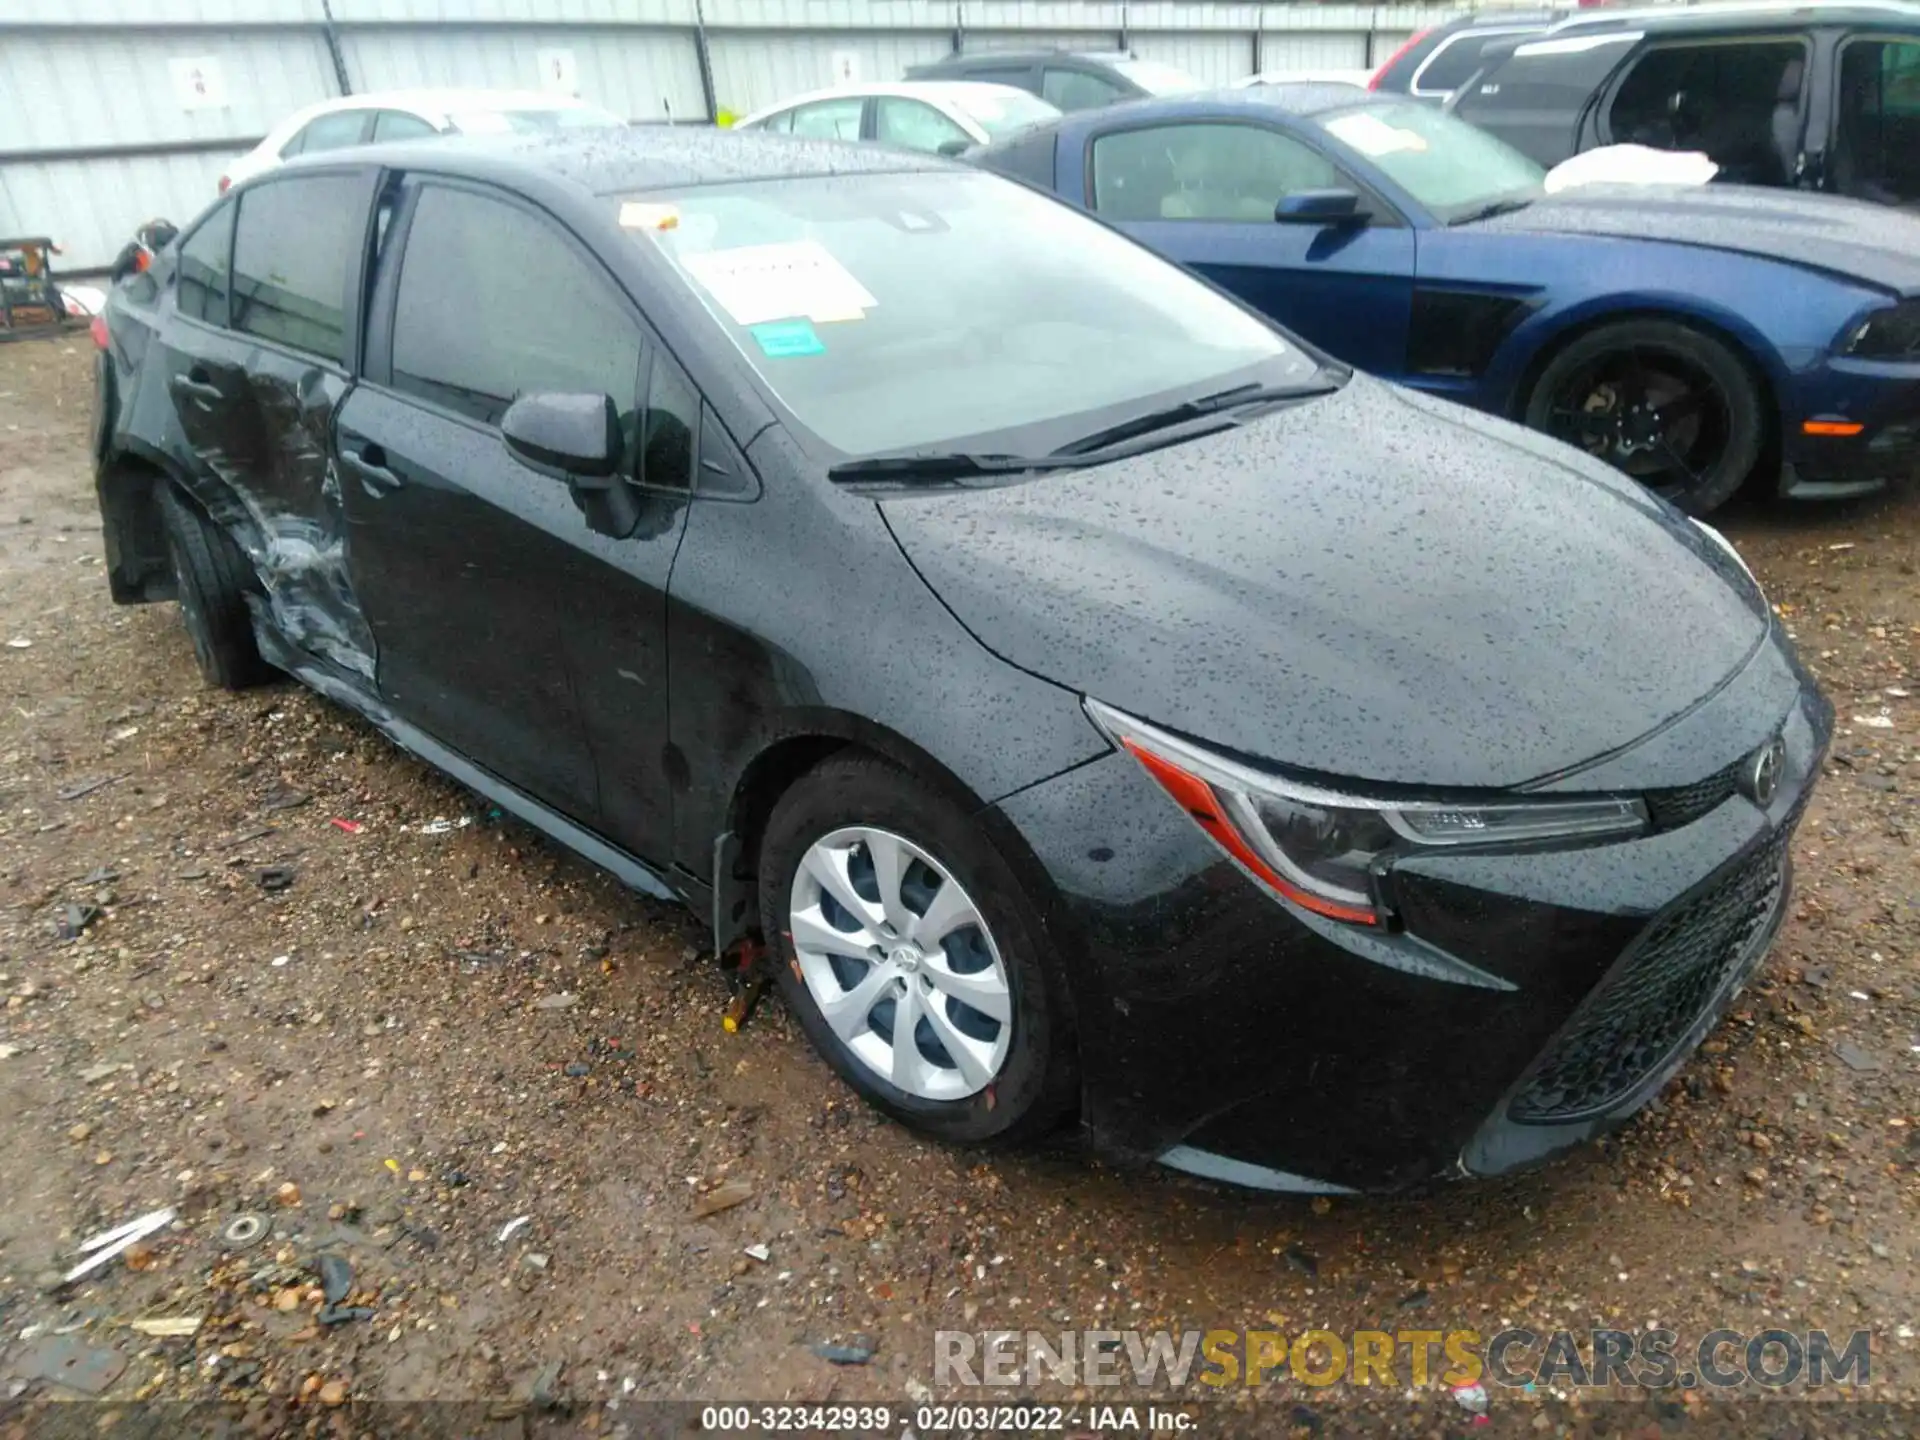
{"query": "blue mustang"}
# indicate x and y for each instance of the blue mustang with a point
(1689, 336)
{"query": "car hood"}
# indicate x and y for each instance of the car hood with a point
(1874, 243)
(1372, 585)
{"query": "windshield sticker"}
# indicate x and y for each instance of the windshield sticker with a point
(780, 339)
(638, 215)
(1372, 136)
(757, 283)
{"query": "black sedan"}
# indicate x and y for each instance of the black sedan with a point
(1100, 700)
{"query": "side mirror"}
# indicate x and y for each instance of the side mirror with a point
(1319, 207)
(570, 437)
(953, 148)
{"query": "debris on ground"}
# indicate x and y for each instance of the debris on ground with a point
(858, 1351)
(110, 1243)
(722, 1197)
(171, 1326)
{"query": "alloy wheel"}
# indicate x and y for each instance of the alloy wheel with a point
(1653, 413)
(901, 963)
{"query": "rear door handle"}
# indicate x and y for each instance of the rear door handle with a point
(367, 460)
(195, 386)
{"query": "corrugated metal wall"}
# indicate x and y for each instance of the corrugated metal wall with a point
(113, 112)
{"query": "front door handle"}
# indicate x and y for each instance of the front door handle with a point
(367, 460)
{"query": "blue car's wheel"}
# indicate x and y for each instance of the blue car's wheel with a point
(1672, 407)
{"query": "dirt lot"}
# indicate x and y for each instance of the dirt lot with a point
(425, 1035)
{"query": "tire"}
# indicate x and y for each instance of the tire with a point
(855, 805)
(1670, 406)
(213, 578)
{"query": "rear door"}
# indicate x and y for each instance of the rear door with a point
(1536, 98)
(1203, 193)
(257, 355)
(488, 593)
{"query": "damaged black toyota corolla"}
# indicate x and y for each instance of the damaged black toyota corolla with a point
(1100, 700)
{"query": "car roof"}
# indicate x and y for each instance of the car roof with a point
(1758, 14)
(1293, 100)
(1304, 97)
(449, 100)
(633, 159)
(1030, 55)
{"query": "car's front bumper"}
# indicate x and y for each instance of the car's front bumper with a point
(1227, 1034)
(1824, 456)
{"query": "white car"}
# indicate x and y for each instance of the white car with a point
(1356, 78)
(410, 115)
(941, 117)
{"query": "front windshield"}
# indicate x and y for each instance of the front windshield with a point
(890, 312)
(1001, 110)
(1448, 166)
(535, 122)
(1155, 78)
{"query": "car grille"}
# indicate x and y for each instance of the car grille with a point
(1683, 804)
(1629, 1026)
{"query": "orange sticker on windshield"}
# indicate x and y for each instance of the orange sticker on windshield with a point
(638, 215)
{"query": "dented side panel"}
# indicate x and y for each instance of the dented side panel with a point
(258, 425)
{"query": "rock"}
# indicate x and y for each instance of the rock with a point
(857, 1352)
(288, 1194)
(94, 1074)
(533, 1260)
(1854, 1058)
(562, 1001)
(80, 1132)
(578, 1068)
(288, 1300)
(334, 1392)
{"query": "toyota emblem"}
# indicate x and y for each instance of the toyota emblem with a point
(1761, 779)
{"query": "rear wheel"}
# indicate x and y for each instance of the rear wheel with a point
(1673, 408)
(213, 577)
(908, 953)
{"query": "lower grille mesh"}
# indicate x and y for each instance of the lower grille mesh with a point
(1629, 1026)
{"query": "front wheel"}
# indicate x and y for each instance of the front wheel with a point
(910, 955)
(1672, 407)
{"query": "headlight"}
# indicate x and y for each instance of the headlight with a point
(1326, 850)
(1889, 334)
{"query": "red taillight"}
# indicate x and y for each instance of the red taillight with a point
(1373, 80)
(225, 181)
(1195, 796)
(99, 331)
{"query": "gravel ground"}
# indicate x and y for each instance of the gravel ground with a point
(392, 1038)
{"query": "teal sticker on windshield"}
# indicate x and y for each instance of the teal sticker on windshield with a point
(782, 338)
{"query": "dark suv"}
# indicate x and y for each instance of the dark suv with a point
(1436, 62)
(1063, 78)
(1822, 97)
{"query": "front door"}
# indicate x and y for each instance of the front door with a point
(1204, 194)
(487, 590)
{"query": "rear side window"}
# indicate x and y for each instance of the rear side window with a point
(830, 119)
(494, 303)
(398, 125)
(332, 131)
(1078, 90)
(292, 249)
(1456, 58)
(914, 125)
(202, 283)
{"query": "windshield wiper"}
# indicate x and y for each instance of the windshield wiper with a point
(1239, 397)
(1491, 209)
(944, 465)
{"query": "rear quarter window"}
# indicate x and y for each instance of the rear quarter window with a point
(201, 281)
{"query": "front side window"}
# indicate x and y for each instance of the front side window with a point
(202, 273)
(399, 125)
(333, 131)
(1077, 89)
(1203, 172)
(830, 119)
(293, 245)
(1446, 165)
(1723, 98)
(915, 125)
(493, 304)
(895, 311)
